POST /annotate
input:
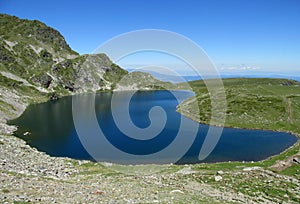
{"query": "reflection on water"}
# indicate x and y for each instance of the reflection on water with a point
(52, 130)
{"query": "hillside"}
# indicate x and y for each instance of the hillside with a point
(39, 54)
(253, 103)
(37, 64)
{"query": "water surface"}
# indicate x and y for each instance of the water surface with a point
(52, 131)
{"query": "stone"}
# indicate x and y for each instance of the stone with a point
(54, 97)
(26, 133)
(296, 160)
(186, 170)
(252, 168)
(176, 191)
(218, 178)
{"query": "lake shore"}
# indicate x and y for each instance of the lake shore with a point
(26, 173)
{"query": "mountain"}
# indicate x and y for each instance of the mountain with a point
(36, 64)
(40, 55)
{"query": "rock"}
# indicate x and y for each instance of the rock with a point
(218, 178)
(81, 162)
(251, 168)
(46, 55)
(54, 97)
(176, 191)
(26, 133)
(98, 192)
(107, 164)
(186, 170)
(296, 160)
(43, 80)
(220, 172)
(69, 86)
(288, 83)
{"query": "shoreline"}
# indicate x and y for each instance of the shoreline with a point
(14, 128)
(297, 135)
(29, 175)
(234, 127)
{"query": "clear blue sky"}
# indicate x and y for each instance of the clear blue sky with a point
(238, 35)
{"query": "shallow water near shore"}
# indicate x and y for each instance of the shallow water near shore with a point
(49, 127)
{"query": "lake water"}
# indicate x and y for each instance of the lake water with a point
(52, 131)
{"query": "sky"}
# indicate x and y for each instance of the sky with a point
(239, 36)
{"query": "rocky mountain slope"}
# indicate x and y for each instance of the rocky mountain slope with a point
(36, 64)
(40, 55)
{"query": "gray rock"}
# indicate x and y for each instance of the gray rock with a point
(220, 172)
(176, 191)
(296, 160)
(218, 178)
(252, 168)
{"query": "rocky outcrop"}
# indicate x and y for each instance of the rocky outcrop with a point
(43, 80)
(40, 55)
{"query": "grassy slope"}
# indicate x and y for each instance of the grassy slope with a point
(272, 104)
(251, 103)
(40, 55)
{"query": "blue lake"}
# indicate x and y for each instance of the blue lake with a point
(52, 130)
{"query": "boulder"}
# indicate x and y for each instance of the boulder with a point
(218, 178)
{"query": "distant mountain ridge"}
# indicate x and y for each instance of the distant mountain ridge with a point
(179, 79)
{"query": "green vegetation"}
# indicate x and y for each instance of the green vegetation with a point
(271, 104)
(40, 55)
(35, 62)
(115, 74)
(5, 190)
(142, 81)
(20, 30)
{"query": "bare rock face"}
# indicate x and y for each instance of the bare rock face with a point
(87, 73)
(43, 80)
(40, 55)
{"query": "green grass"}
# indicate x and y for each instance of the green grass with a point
(92, 168)
(251, 103)
(270, 104)
(5, 190)
(284, 155)
(294, 171)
